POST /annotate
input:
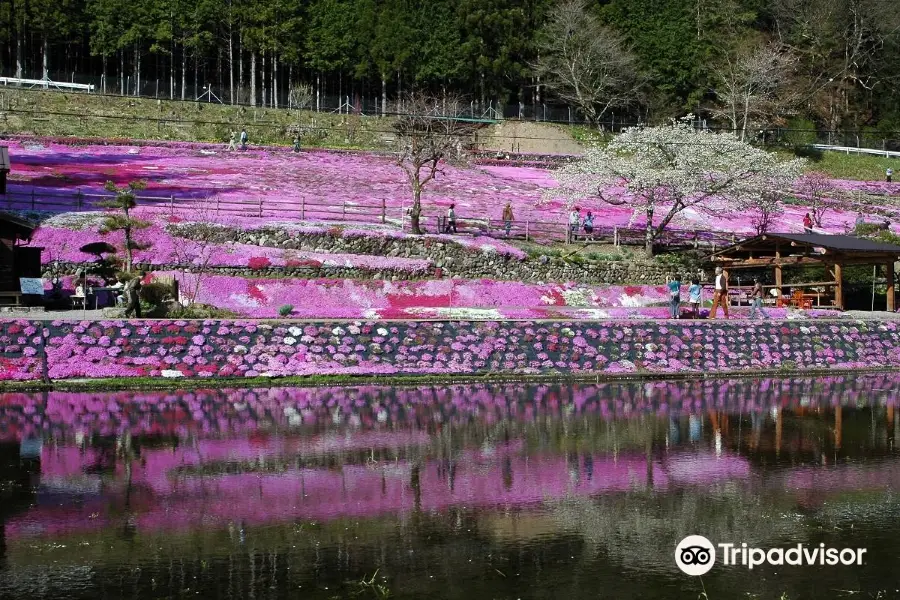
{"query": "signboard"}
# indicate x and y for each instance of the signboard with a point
(31, 285)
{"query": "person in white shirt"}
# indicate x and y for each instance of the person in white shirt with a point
(575, 220)
(720, 297)
(888, 174)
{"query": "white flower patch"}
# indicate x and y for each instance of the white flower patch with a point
(289, 341)
(371, 313)
(239, 349)
(75, 221)
(295, 331)
(591, 313)
(382, 331)
(580, 297)
(338, 331)
(354, 330)
(171, 374)
(630, 301)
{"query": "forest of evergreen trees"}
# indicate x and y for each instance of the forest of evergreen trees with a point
(837, 61)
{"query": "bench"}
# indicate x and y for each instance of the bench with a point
(16, 297)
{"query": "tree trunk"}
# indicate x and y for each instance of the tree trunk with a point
(253, 78)
(19, 55)
(416, 210)
(240, 64)
(265, 90)
(383, 96)
(274, 80)
(649, 235)
(45, 51)
(197, 85)
(103, 77)
(230, 59)
(183, 71)
(122, 72)
(137, 69)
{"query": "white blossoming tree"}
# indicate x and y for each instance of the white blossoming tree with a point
(666, 170)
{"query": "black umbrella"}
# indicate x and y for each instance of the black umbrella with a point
(98, 249)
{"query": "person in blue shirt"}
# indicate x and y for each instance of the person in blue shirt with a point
(674, 286)
(588, 224)
(695, 291)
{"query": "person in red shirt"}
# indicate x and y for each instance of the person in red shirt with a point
(807, 223)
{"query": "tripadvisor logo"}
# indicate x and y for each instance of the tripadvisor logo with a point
(696, 555)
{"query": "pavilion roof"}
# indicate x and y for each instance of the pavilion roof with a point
(842, 245)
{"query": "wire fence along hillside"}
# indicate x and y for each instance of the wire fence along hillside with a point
(367, 212)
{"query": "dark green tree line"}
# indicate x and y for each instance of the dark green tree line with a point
(843, 53)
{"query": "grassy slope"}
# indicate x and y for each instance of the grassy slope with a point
(54, 113)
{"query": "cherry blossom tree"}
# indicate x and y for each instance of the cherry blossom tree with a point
(672, 168)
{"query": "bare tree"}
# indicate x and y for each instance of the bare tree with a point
(430, 131)
(841, 45)
(300, 95)
(755, 87)
(763, 209)
(585, 63)
(199, 238)
(819, 191)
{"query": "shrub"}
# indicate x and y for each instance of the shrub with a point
(155, 294)
(286, 310)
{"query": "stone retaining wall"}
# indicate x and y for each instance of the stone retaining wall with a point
(458, 261)
(217, 348)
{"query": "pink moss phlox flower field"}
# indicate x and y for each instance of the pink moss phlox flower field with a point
(202, 176)
(62, 243)
(443, 298)
(225, 348)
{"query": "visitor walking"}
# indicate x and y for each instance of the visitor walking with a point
(889, 174)
(232, 142)
(451, 220)
(507, 218)
(574, 220)
(694, 293)
(860, 220)
(756, 299)
(720, 296)
(589, 224)
(807, 224)
(133, 295)
(674, 286)
(244, 139)
(296, 144)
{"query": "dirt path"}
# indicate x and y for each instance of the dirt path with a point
(529, 138)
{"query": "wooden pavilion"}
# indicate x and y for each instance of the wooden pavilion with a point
(834, 252)
(16, 261)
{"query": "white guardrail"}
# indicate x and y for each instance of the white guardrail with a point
(853, 150)
(46, 84)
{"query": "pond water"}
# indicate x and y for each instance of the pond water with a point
(469, 492)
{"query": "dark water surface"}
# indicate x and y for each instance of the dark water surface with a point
(458, 492)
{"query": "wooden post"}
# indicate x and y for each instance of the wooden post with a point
(778, 279)
(260, 207)
(889, 274)
(526, 230)
(383, 211)
(302, 208)
(838, 426)
(172, 202)
(344, 210)
(839, 287)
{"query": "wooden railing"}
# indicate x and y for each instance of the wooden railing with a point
(374, 211)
